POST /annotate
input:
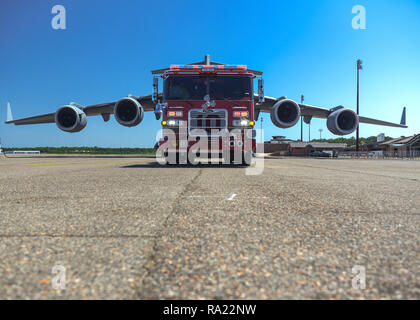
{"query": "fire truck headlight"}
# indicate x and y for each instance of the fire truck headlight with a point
(171, 123)
(240, 123)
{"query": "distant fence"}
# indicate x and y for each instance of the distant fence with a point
(412, 155)
(23, 152)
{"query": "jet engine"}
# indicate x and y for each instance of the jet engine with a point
(128, 112)
(70, 119)
(285, 113)
(342, 121)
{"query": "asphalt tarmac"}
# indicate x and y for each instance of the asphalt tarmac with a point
(128, 228)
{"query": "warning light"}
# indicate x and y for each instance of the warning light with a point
(175, 113)
(238, 114)
(163, 123)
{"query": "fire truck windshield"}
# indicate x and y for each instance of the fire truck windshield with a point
(217, 87)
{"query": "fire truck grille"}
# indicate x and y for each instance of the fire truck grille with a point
(207, 121)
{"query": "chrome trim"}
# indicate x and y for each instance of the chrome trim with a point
(223, 122)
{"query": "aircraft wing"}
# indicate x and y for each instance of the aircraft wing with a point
(92, 110)
(309, 111)
(381, 123)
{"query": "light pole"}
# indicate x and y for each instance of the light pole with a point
(309, 131)
(320, 134)
(359, 67)
(301, 120)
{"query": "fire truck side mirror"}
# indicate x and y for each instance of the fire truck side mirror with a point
(155, 89)
(159, 110)
(260, 90)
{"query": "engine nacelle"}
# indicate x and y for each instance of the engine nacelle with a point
(342, 122)
(70, 119)
(285, 113)
(128, 112)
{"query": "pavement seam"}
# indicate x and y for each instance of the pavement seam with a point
(152, 258)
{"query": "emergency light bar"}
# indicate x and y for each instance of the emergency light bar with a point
(208, 68)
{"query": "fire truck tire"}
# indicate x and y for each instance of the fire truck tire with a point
(182, 158)
(192, 159)
(246, 158)
(165, 156)
(232, 158)
(171, 159)
(228, 157)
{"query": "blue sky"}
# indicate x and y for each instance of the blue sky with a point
(109, 48)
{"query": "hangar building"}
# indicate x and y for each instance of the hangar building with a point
(402, 147)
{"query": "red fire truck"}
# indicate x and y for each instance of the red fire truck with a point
(207, 112)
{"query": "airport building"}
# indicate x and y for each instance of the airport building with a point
(279, 145)
(397, 147)
(402, 147)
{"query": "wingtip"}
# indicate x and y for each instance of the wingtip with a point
(403, 118)
(9, 117)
